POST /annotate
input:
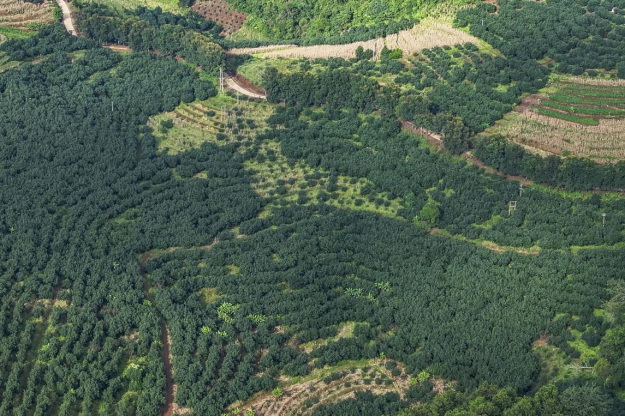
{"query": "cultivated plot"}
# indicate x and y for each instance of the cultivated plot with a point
(18, 14)
(572, 116)
(221, 12)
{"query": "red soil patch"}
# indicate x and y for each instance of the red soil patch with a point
(528, 102)
(432, 138)
(219, 11)
(541, 341)
(247, 84)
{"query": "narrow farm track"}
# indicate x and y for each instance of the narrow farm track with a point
(234, 84)
(68, 20)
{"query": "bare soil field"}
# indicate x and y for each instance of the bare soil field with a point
(573, 116)
(20, 15)
(221, 12)
(428, 34)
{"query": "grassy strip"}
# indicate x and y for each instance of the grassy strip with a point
(614, 92)
(13, 33)
(567, 98)
(592, 88)
(593, 111)
(588, 121)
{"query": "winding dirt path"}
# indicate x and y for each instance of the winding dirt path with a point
(68, 20)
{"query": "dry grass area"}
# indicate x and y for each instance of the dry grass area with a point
(26, 16)
(221, 12)
(572, 116)
(325, 386)
(428, 34)
(602, 143)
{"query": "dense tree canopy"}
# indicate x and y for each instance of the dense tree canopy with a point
(113, 254)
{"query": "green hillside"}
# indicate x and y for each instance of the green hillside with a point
(323, 18)
(191, 230)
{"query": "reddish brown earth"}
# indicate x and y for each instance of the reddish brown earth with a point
(432, 138)
(248, 85)
(219, 11)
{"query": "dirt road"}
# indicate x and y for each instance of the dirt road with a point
(68, 20)
(234, 85)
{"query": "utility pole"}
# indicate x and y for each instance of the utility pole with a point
(112, 108)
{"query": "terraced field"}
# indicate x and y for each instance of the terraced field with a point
(585, 104)
(571, 116)
(17, 14)
(220, 119)
(326, 387)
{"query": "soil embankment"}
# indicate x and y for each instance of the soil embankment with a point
(243, 86)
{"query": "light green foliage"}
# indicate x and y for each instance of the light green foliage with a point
(226, 311)
(428, 216)
(310, 19)
(257, 318)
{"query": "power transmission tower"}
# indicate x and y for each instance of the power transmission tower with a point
(221, 78)
(511, 207)
(603, 215)
(520, 189)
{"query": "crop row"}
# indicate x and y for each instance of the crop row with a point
(579, 110)
(588, 121)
